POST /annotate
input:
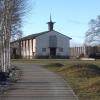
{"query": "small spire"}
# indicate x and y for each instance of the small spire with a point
(50, 18)
(50, 24)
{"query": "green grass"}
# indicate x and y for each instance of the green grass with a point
(83, 76)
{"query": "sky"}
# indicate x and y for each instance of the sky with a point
(71, 17)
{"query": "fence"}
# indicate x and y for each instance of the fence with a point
(77, 51)
(87, 51)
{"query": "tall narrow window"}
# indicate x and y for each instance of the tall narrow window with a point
(53, 41)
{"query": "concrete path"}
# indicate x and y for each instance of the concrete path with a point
(38, 83)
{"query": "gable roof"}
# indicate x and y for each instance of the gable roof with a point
(63, 34)
(33, 36)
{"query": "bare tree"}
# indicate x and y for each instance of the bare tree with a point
(10, 21)
(92, 36)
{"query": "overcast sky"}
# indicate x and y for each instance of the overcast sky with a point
(71, 17)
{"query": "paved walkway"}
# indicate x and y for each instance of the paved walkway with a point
(38, 83)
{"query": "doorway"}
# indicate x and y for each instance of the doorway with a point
(52, 52)
(14, 51)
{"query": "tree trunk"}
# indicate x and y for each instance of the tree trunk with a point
(6, 25)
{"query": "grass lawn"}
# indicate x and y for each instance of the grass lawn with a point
(84, 80)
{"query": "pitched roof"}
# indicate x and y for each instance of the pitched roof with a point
(32, 36)
(63, 34)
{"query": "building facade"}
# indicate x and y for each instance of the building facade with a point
(45, 44)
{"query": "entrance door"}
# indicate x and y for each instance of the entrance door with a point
(14, 51)
(52, 52)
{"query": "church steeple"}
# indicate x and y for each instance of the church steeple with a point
(50, 24)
